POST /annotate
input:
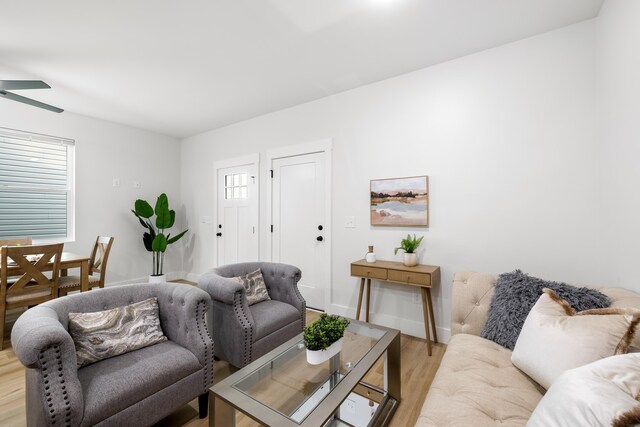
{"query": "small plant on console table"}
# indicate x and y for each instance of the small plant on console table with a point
(323, 338)
(409, 246)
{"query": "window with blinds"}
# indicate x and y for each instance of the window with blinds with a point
(36, 186)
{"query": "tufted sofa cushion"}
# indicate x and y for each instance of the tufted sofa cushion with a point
(477, 386)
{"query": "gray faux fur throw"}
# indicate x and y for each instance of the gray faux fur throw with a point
(515, 295)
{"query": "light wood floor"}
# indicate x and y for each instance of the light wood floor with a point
(418, 371)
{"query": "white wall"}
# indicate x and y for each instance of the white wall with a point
(507, 136)
(104, 151)
(619, 113)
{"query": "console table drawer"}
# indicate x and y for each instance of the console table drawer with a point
(410, 277)
(370, 272)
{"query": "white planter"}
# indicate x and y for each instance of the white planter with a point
(158, 279)
(410, 259)
(316, 357)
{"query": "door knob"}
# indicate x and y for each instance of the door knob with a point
(219, 234)
(319, 239)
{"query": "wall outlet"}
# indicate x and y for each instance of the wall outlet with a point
(416, 298)
(349, 222)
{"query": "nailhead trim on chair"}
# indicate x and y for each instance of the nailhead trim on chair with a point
(53, 381)
(246, 327)
(201, 324)
(296, 279)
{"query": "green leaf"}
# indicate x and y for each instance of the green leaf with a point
(172, 216)
(143, 208)
(159, 243)
(162, 203)
(163, 214)
(147, 239)
(177, 237)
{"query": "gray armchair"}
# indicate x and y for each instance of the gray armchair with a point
(242, 333)
(136, 388)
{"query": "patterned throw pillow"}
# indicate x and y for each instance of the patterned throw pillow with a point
(255, 289)
(109, 333)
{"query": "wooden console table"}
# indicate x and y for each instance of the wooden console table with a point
(422, 276)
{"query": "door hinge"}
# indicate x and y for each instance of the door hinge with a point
(271, 173)
(272, 228)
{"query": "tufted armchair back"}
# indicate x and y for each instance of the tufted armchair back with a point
(277, 277)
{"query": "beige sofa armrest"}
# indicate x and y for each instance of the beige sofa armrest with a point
(471, 297)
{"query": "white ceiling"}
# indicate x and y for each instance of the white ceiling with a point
(184, 67)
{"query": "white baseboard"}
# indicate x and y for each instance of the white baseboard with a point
(172, 275)
(406, 326)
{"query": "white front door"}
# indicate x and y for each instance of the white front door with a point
(237, 227)
(300, 236)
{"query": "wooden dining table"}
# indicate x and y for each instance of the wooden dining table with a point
(67, 260)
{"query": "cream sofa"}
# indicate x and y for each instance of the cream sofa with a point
(476, 384)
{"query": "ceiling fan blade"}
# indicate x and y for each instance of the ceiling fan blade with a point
(14, 97)
(23, 84)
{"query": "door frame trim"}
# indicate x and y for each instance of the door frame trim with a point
(248, 160)
(324, 146)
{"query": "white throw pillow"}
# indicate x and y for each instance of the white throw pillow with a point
(555, 338)
(602, 393)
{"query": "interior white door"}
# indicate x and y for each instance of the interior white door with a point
(237, 227)
(299, 232)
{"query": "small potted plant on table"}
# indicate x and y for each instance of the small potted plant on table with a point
(409, 246)
(323, 338)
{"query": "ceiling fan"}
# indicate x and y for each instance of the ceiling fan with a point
(6, 85)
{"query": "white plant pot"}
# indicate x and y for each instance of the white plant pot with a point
(410, 259)
(158, 279)
(316, 357)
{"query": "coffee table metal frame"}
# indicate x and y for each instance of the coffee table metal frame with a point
(225, 400)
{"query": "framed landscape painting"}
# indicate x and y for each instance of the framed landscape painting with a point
(400, 201)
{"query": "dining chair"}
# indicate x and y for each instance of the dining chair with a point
(97, 264)
(28, 285)
(16, 241)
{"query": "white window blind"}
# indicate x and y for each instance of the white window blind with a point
(36, 186)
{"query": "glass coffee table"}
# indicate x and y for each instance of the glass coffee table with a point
(282, 389)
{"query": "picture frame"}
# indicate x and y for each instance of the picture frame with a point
(400, 202)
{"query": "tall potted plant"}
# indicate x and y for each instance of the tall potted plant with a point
(154, 238)
(409, 246)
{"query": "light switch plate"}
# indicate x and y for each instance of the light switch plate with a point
(206, 220)
(116, 182)
(349, 222)
(136, 184)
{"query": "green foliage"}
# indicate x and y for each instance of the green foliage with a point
(143, 209)
(409, 245)
(154, 238)
(325, 331)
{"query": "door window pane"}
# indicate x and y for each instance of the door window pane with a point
(236, 186)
